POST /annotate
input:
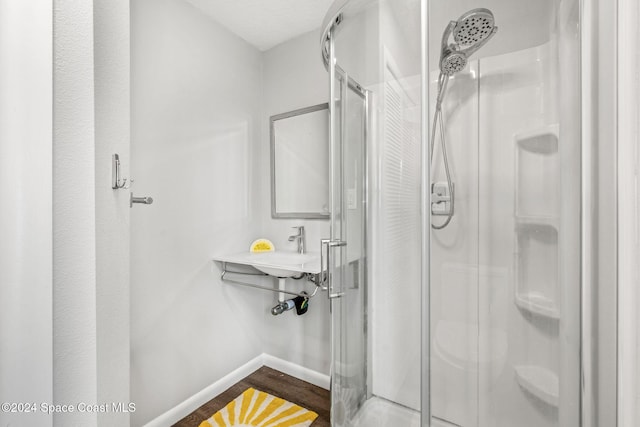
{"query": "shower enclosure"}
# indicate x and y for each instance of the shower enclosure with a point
(468, 316)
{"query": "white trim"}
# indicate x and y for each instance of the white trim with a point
(183, 409)
(300, 372)
(628, 249)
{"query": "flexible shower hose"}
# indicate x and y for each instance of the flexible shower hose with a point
(438, 122)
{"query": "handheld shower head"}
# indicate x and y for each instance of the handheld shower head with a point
(470, 32)
(451, 61)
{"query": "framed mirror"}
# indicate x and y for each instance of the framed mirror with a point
(300, 163)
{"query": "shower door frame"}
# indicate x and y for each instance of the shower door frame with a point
(337, 242)
(425, 285)
(599, 325)
(425, 205)
(628, 215)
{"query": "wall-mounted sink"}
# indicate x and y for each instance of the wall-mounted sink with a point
(286, 264)
(277, 263)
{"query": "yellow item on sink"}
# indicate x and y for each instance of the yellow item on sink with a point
(262, 245)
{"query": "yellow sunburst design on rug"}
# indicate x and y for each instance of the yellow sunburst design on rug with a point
(255, 408)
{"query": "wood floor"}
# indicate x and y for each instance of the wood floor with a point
(274, 382)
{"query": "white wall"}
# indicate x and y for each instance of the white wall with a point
(196, 139)
(90, 270)
(74, 215)
(294, 77)
(112, 131)
(25, 220)
(54, 351)
(210, 124)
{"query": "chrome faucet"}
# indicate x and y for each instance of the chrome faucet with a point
(300, 238)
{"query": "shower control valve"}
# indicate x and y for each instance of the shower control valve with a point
(441, 199)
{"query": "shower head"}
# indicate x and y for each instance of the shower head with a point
(473, 27)
(470, 32)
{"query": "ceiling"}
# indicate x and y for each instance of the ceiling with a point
(266, 23)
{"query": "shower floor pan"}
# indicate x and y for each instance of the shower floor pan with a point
(377, 412)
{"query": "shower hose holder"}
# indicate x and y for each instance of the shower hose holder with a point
(441, 199)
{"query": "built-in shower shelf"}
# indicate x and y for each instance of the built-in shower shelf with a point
(536, 265)
(543, 140)
(540, 383)
(537, 172)
(538, 304)
(537, 220)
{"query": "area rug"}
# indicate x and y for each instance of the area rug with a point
(255, 408)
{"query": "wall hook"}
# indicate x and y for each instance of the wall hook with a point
(116, 181)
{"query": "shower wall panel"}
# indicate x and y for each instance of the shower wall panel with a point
(505, 272)
(503, 275)
(519, 227)
(395, 204)
(395, 331)
(454, 259)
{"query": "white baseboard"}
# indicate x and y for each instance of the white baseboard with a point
(305, 374)
(183, 409)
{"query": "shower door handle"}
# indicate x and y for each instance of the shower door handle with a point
(324, 272)
(325, 258)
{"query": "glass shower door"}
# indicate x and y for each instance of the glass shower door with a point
(373, 60)
(346, 249)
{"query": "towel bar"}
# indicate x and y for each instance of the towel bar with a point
(264, 288)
